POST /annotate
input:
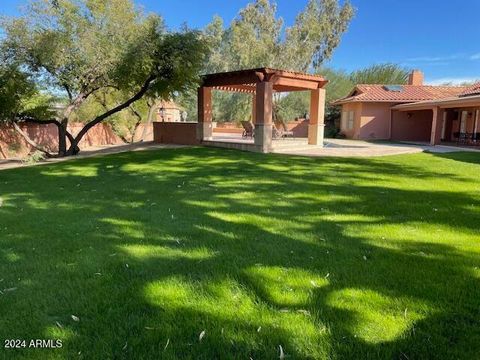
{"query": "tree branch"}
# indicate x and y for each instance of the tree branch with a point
(137, 124)
(29, 119)
(30, 141)
(67, 89)
(116, 109)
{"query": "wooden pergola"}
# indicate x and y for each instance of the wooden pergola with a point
(262, 83)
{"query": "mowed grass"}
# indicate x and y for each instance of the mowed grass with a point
(373, 258)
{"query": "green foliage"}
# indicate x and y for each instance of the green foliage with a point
(257, 37)
(78, 46)
(339, 83)
(34, 158)
(381, 74)
(19, 95)
(84, 47)
(254, 37)
(316, 33)
(293, 105)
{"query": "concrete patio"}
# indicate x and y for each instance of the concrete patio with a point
(359, 148)
(337, 147)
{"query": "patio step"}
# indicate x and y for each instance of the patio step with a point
(287, 144)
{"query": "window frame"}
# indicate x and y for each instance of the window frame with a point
(351, 120)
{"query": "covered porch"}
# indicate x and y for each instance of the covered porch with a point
(261, 84)
(453, 121)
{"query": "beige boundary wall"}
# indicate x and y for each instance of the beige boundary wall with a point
(13, 145)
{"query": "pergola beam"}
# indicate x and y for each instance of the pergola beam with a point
(296, 84)
(228, 79)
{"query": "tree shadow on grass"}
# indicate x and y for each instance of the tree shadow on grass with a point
(469, 157)
(258, 251)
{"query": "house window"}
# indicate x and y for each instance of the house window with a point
(351, 119)
(343, 124)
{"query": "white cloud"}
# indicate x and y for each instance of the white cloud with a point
(434, 59)
(442, 59)
(452, 81)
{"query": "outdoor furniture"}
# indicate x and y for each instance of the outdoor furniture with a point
(280, 130)
(462, 138)
(248, 130)
(476, 138)
(286, 132)
(276, 132)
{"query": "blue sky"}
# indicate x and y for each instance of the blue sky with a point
(438, 36)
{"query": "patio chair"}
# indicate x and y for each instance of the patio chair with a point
(248, 130)
(476, 138)
(276, 132)
(280, 130)
(462, 138)
(286, 132)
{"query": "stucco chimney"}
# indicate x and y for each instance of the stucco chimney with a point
(415, 78)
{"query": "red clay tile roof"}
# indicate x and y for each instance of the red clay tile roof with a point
(409, 93)
(472, 90)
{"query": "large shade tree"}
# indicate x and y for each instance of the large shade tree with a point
(80, 48)
(257, 37)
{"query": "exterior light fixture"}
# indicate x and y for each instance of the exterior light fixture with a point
(161, 111)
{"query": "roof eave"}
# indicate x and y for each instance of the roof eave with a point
(453, 101)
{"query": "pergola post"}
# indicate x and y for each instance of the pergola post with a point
(204, 129)
(316, 127)
(437, 123)
(254, 108)
(263, 116)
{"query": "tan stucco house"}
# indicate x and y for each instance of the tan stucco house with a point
(169, 111)
(412, 112)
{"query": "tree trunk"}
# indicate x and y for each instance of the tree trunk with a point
(137, 124)
(149, 120)
(62, 139)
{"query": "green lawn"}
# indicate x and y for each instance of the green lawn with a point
(327, 258)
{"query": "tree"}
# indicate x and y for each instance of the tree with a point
(258, 38)
(381, 74)
(85, 47)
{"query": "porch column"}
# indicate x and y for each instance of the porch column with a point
(254, 108)
(316, 127)
(263, 116)
(437, 123)
(204, 127)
